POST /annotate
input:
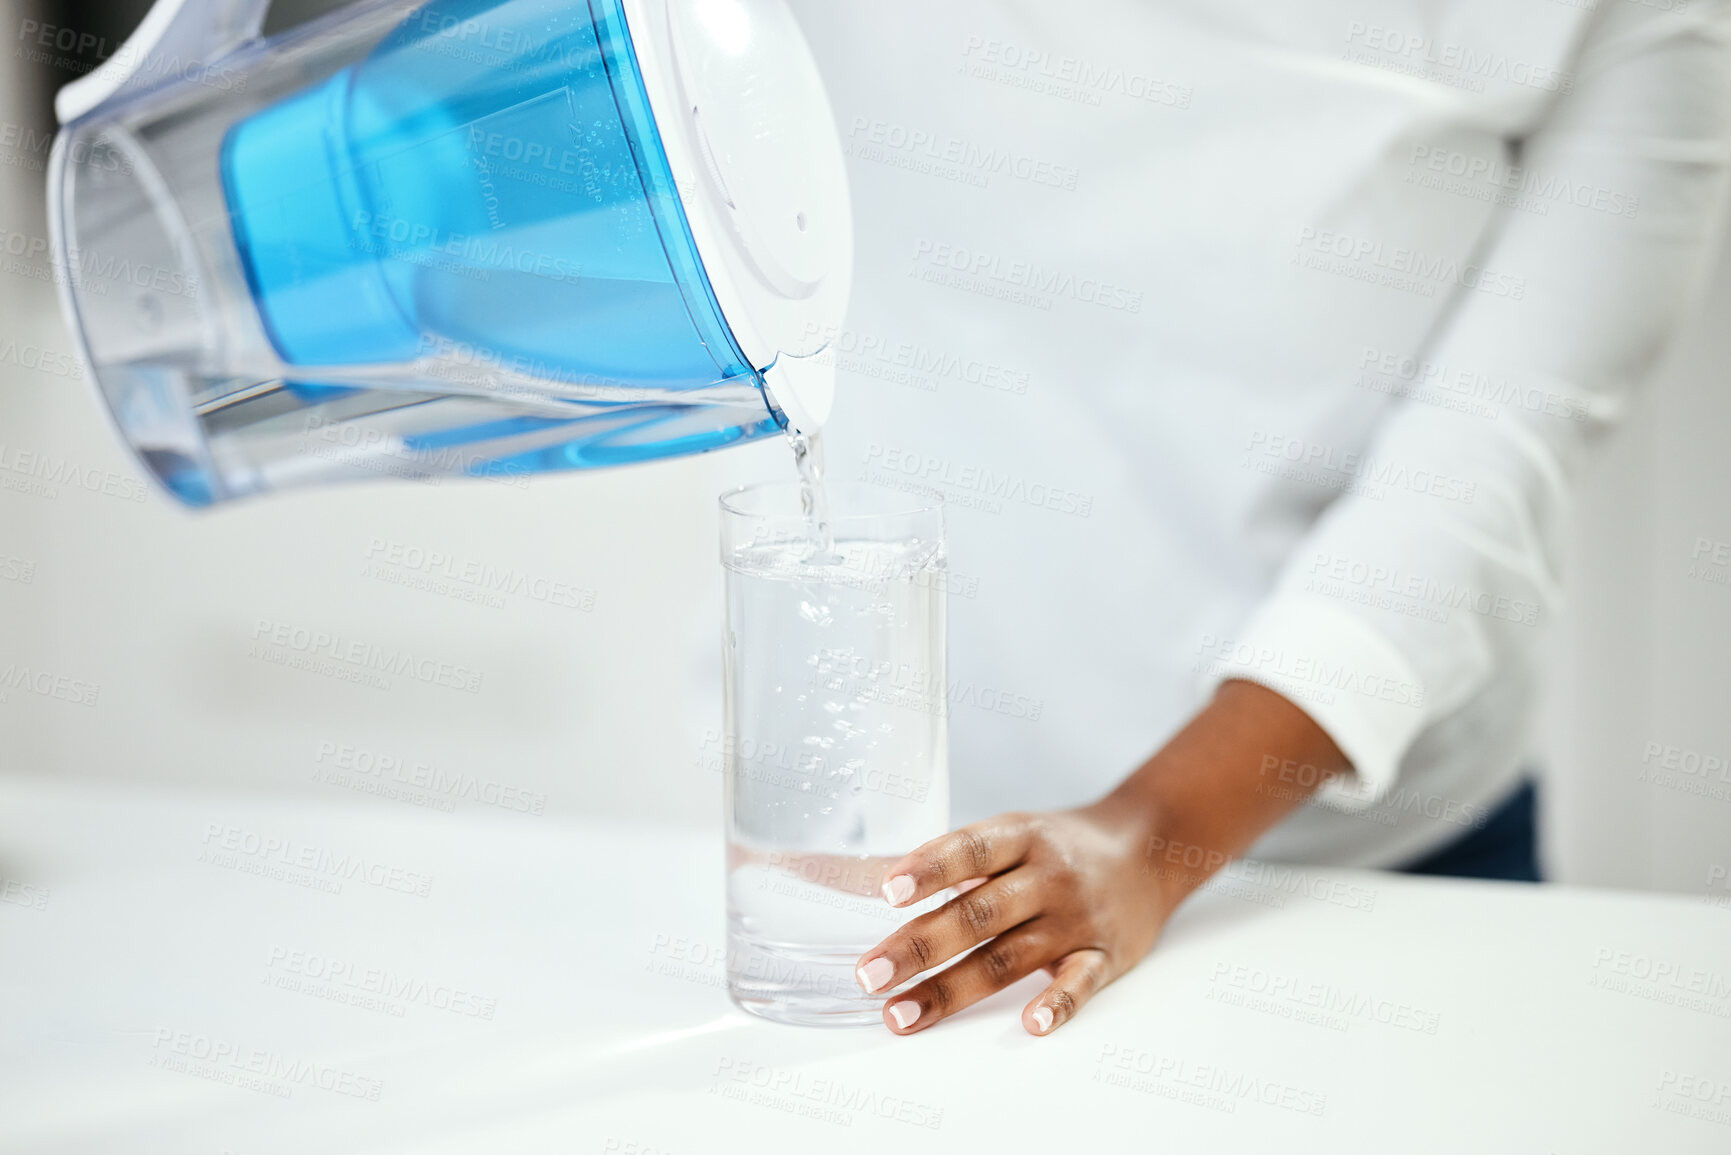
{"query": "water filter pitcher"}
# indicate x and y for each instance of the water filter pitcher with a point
(466, 237)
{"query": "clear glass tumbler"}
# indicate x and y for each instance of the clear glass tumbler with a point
(836, 737)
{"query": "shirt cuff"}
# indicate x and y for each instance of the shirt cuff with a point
(1335, 667)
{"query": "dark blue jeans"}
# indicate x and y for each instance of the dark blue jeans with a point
(1506, 847)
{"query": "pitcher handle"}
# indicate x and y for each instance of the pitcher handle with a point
(191, 30)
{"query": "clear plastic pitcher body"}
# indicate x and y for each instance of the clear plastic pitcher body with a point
(421, 239)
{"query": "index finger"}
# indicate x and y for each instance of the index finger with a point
(978, 850)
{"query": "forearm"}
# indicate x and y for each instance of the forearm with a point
(1246, 761)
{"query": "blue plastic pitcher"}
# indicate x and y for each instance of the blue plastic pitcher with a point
(467, 237)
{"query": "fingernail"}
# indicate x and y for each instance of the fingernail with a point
(899, 889)
(1043, 1018)
(875, 974)
(905, 1014)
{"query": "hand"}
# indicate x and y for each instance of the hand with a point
(1080, 893)
(1067, 891)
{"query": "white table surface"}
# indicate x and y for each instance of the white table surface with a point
(559, 989)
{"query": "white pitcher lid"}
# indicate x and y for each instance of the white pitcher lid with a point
(754, 149)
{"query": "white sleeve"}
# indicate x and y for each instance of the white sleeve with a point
(1476, 499)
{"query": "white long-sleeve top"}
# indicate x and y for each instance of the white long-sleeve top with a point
(1261, 340)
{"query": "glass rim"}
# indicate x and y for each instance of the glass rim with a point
(913, 504)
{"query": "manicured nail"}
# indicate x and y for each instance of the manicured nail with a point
(899, 889)
(1043, 1018)
(905, 1013)
(875, 974)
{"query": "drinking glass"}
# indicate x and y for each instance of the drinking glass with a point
(836, 736)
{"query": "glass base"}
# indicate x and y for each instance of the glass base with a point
(800, 985)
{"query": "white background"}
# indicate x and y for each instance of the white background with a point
(613, 711)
